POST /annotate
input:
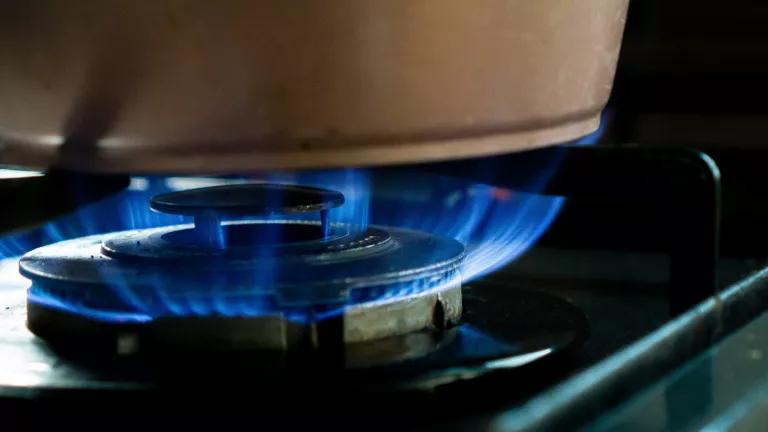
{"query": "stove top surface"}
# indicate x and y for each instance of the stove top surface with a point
(568, 328)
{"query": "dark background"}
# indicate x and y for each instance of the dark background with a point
(691, 74)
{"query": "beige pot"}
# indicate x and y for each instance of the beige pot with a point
(225, 86)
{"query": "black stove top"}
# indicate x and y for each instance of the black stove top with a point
(571, 328)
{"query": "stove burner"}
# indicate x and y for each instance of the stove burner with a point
(246, 284)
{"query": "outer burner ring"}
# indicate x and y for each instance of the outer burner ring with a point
(393, 287)
(209, 205)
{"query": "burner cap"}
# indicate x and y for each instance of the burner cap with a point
(210, 204)
(253, 199)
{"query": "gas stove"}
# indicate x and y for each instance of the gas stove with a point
(296, 286)
(397, 225)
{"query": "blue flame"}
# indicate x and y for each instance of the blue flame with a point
(495, 224)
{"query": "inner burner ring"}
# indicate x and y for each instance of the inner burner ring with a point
(247, 239)
(254, 235)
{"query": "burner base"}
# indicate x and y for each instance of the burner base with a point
(436, 309)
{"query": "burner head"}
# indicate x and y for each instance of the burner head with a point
(247, 284)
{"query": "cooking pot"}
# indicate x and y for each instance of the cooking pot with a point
(234, 85)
